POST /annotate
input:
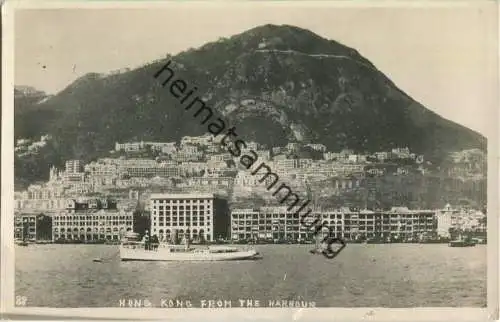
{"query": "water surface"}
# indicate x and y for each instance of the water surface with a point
(391, 275)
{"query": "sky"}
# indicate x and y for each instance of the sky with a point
(442, 56)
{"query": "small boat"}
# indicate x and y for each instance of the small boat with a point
(461, 242)
(97, 260)
(22, 243)
(133, 250)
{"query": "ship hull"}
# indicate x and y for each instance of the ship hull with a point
(461, 244)
(127, 254)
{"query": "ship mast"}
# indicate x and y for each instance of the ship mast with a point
(311, 196)
(186, 238)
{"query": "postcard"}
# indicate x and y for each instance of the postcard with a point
(264, 160)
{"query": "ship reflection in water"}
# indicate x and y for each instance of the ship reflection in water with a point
(362, 275)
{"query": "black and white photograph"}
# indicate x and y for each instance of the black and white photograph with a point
(163, 158)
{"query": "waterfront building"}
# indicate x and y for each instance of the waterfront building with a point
(199, 217)
(400, 223)
(271, 223)
(91, 220)
(25, 226)
(459, 219)
(279, 223)
(32, 227)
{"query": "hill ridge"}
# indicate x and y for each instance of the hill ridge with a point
(337, 102)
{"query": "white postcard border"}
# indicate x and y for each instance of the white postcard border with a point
(316, 314)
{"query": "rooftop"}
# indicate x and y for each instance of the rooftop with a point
(182, 196)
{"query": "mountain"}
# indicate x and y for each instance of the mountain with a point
(276, 84)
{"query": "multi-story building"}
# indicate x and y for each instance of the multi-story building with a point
(381, 156)
(200, 140)
(73, 167)
(181, 156)
(252, 145)
(140, 146)
(216, 164)
(148, 168)
(91, 220)
(401, 153)
(196, 216)
(271, 223)
(129, 146)
(304, 163)
(188, 149)
(400, 223)
(279, 223)
(169, 149)
(102, 169)
(331, 156)
(346, 168)
(243, 178)
(284, 165)
(213, 147)
(293, 146)
(25, 226)
(207, 181)
(189, 168)
(446, 219)
(220, 157)
(317, 147)
(460, 220)
(40, 205)
(32, 227)
(263, 155)
(277, 150)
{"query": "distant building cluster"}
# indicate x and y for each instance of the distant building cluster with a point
(204, 217)
(26, 147)
(197, 166)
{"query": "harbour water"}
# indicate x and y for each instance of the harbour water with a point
(362, 275)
